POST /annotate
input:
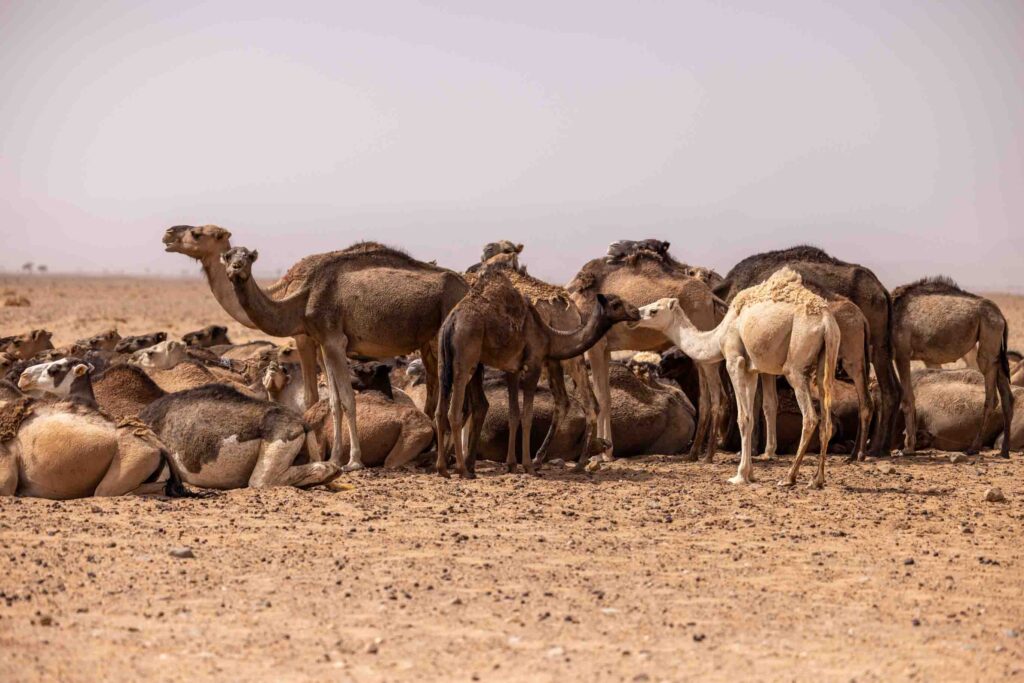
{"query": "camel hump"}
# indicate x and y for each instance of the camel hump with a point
(940, 284)
(12, 414)
(784, 286)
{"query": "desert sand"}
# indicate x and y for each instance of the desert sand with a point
(650, 569)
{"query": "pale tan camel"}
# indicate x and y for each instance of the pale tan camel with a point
(937, 322)
(25, 346)
(776, 328)
(369, 300)
(162, 356)
(640, 276)
(68, 449)
(497, 326)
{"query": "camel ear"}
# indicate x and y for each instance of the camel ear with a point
(196, 233)
(255, 255)
(224, 234)
(80, 369)
(519, 248)
(673, 304)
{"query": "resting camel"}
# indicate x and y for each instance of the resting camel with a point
(937, 322)
(641, 276)
(124, 391)
(368, 300)
(25, 346)
(162, 356)
(211, 335)
(649, 416)
(557, 310)
(220, 438)
(104, 341)
(139, 342)
(856, 283)
(776, 328)
(68, 448)
(497, 326)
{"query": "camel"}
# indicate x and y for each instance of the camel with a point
(1017, 374)
(649, 416)
(640, 277)
(368, 300)
(951, 411)
(162, 356)
(25, 346)
(776, 328)
(104, 341)
(211, 335)
(123, 391)
(497, 326)
(556, 310)
(222, 439)
(856, 283)
(283, 384)
(7, 360)
(129, 345)
(937, 322)
(67, 448)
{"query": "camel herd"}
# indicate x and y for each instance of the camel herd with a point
(395, 362)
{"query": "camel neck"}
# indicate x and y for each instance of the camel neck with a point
(282, 318)
(565, 345)
(223, 291)
(703, 347)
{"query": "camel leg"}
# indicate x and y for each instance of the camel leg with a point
(802, 388)
(1006, 403)
(428, 354)
(529, 389)
(578, 372)
(307, 350)
(600, 358)
(410, 443)
(857, 369)
(442, 428)
(744, 385)
(478, 413)
(908, 405)
(703, 414)
(9, 472)
(770, 406)
(889, 388)
(719, 408)
(455, 423)
(344, 397)
(556, 381)
(824, 430)
(512, 380)
(990, 371)
(274, 466)
(134, 462)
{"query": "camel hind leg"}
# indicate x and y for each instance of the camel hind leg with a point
(802, 388)
(556, 381)
(134, 462)
(908, 404)
(584, 388)
(703, 415)
(412, 440)
(343, 401)
(770, 406)
(512, 382)
(529, 389)
(600, 358)
(274, 465)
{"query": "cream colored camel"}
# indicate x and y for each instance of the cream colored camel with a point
(68, 449)
(162, 356)
(369, 300)
(495, 325)
(937, 322)
(776, 328)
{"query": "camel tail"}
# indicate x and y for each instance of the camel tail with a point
(173, 488)
(446, 350)
(831, 360)
(1004, 360)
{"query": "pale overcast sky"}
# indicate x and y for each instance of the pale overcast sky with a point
(891, 133)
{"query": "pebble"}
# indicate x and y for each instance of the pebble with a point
(373, 647)
(908, 561)
(183, 553)
(46, 620)
(1011, 633)
(995, 495)
(957, 457)
(556, 651)
(886, 468)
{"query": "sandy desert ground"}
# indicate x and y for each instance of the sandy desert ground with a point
(651, 569)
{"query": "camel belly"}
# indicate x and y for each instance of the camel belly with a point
(63, 456)
(230, 469)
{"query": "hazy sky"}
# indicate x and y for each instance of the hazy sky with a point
(890, 134)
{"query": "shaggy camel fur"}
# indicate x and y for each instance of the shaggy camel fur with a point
(211, 335)
(68, 448)
(25, 346)
(368, 300)
(123, 391)
(776, 328)
(856, 283)
(247, 443)
(497, 326)
(640, 277)
(937, 322)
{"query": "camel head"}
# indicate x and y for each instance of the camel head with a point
(645, 365)
(162, 356)
(288, 354)
(372, 376)
(138, 342)
(276, 377)
(211, 335)
(6, 361)
(415, 372)
(197, 241)
(618, 310)
(104, 341)
(658, 315)
(55, 377)
(27, 345)
(238, 263)
(502, 252)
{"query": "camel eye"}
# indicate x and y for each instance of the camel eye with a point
(51, 371)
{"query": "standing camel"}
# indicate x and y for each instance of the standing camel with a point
(856, 283)
(640, 276)
(368, 300)
(777, 328)
(496, 325)
(937, 322)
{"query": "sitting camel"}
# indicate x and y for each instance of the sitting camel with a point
(211, 335)
(220, 438)
(68, 448)
(496, 325)
(776, 328)
(138, 342)
(161, 356)
(25, 346)
(937, 322)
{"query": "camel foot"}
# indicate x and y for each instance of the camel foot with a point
(850, 459)
(353, 466)
(816, 483)
(511, 469)
(607, 457)
(740, 479)
(537, 463)
(971, 451)
(689, 457)
(467, 475)
(1002, 454)
(444, 473)
(786, 483)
